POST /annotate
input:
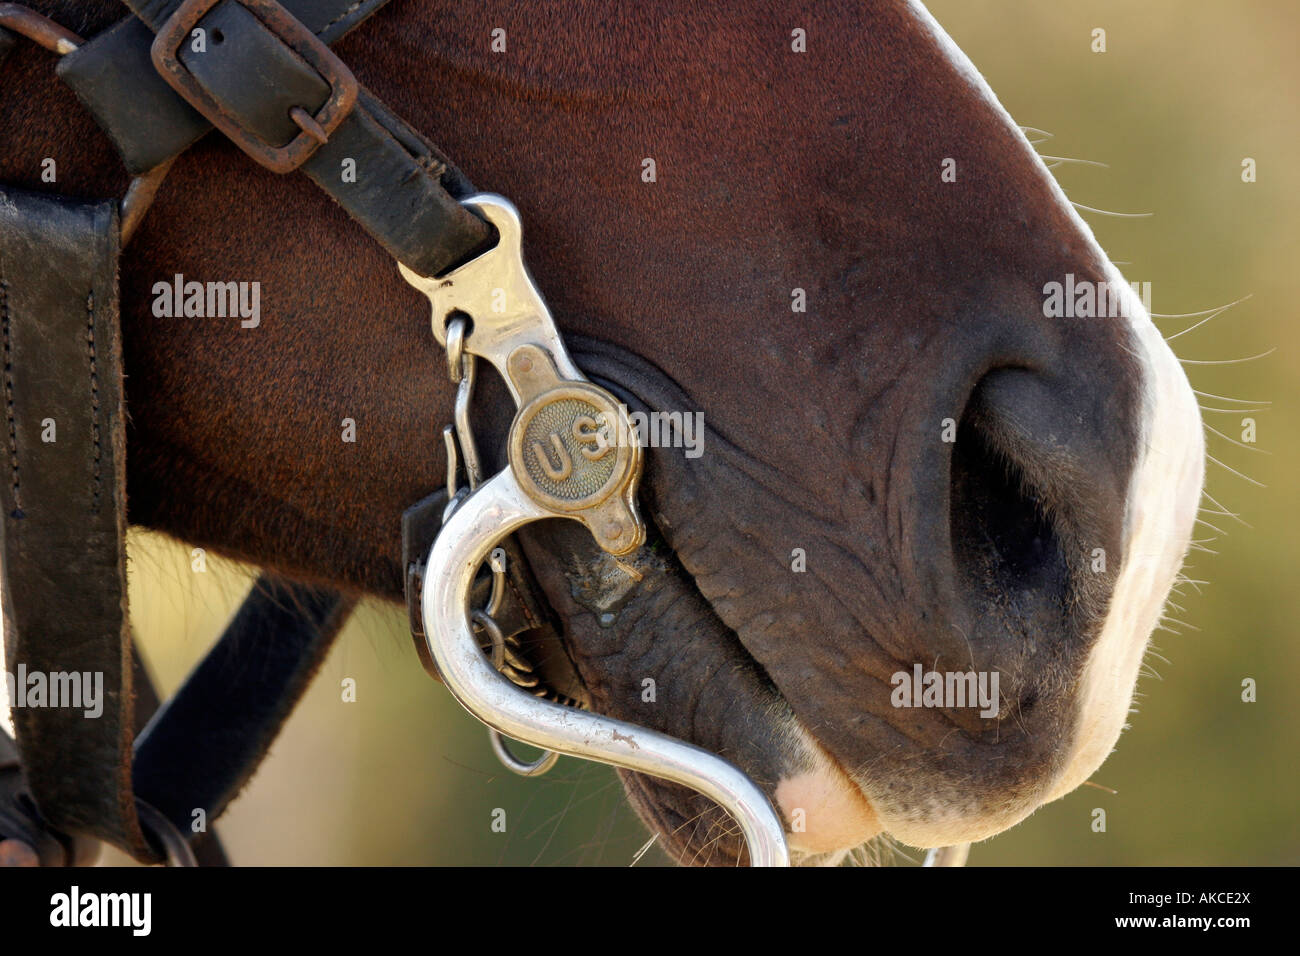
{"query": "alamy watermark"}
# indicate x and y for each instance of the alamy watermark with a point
(1084, 299)
(209, 300)
(77, 690)
(648, 429)
(133, 911)
(947, 689)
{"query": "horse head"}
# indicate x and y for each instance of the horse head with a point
(809, 240)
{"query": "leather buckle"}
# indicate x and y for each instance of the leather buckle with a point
(287, 28)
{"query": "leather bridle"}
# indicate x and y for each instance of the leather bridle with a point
(262, 73)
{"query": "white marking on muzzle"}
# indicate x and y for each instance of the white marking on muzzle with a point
(1163, 496)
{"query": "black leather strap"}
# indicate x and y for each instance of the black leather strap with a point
(389, 178)
(328, 19)
(114, 78)
(200, 749)
(207, 847)
(63, 495)
(204, 745)
(145, 118)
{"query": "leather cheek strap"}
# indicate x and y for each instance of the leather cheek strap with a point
(388, 177)
(67, 642)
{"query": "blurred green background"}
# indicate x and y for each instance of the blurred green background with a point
(1184, 92)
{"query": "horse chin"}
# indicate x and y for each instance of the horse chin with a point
(657, 655)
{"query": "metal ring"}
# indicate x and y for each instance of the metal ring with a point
(39, 29)
(512, 763)
(464, 427)
(139, 197)
(494, 633)
(164, 834)
(456, 348)
(497, 561)
(536, 768)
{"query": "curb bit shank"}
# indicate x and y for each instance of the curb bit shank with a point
(572, 454)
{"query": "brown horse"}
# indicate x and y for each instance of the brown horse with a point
(839, 255)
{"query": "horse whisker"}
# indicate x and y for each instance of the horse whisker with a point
(1209, 314)
(1238, 361)
(1089, 783)
(1225, 398)
(1107, 212)
(1192, 315)
(1081, 162)
(1257, 484)
(645, 847)
(1226, 510)
(1234, 441)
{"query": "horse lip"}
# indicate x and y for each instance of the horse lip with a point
(837, 815)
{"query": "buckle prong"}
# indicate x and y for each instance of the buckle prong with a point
(307, 123)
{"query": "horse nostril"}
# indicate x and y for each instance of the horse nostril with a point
(1005, 545)
(1034, 498)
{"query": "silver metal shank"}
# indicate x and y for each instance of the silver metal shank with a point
(498, 508)
(571, 455)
